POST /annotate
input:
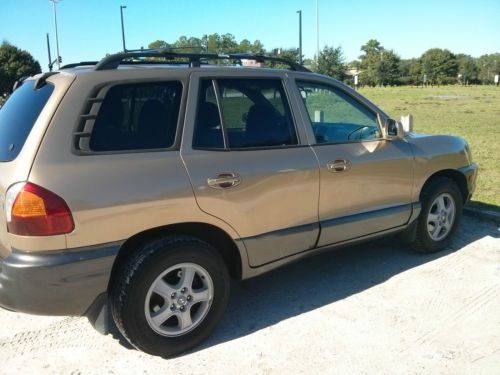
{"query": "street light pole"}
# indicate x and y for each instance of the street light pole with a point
(123, 29)
(58, 59)
(48, 50)
(317, 30)
(300, 36)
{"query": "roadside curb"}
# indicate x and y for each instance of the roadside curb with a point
(482, 214)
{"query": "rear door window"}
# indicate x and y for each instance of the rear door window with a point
(18, 115)
(243, 113)
(137, 117)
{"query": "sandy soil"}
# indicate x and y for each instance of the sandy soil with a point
(374, 308)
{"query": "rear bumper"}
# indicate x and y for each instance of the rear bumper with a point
(56, 283)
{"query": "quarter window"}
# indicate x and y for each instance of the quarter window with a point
(137, 117)
(336, 117)
(243, 113)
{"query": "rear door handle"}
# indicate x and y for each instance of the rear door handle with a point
(338, 165)
(224, 181)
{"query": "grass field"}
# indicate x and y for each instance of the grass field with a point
(470, 112)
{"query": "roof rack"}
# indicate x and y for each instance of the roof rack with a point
(194, 59)
(81, 63)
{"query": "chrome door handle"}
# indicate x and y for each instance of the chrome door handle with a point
(224, 181)
(338, 165)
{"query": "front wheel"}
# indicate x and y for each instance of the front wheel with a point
(170, 295)
(440, 215)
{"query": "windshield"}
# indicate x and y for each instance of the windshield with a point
(18, 115)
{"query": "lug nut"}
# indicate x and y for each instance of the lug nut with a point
(189, 298)
(182, 308)
(172, 307)
(183, 290)
(173, 295)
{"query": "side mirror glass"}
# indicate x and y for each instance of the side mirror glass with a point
(393, 129)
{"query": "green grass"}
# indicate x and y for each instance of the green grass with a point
(470, 112)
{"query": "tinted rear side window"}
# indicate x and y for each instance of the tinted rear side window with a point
(253, 113)
(137, 117)
(18, 115)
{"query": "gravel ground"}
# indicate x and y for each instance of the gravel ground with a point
(374, 308)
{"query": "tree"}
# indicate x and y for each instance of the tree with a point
(245, 46)
(378, 65)
(355, 64)
(410, 71)
(331, 62)
(404, 67)
(158, 44)
(228, 44)
(258, 47)
(185, 44)
(210, 43)
(416, 71)
(488, 66)
(14, 64)
(369, 61)
(387, 68)
(467, 69)
(440, 65)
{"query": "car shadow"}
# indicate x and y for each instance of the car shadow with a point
(326, 278)
(323, 279)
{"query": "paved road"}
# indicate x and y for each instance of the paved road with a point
(374, 308)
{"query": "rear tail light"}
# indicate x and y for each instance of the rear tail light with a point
(32, 210)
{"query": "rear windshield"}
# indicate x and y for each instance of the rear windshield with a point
(18, 115)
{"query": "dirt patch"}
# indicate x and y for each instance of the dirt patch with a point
(373, 308)
(447, 97)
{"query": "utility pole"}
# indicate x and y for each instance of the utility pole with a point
(48, 50)
(123, 28)
(300, 36)
(58, 59)
(317, 30)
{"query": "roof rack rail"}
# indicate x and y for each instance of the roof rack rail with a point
(81, 63)
(195, 59)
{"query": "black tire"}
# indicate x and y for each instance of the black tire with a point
(130, 287)
(423, 242)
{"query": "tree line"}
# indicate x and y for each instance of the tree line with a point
(381, 67)
(376, 66)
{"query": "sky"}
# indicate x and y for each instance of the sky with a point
(88, 29)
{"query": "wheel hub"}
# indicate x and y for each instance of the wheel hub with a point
(441, 216)
(170, 300)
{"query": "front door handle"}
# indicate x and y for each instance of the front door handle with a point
(338, 165)
(224, 181)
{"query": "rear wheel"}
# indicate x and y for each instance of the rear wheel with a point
(440, 215)
(170, 295)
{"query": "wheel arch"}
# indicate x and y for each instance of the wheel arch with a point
(209, 233)
(453, 175)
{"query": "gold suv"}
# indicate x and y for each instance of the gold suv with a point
(142, 183)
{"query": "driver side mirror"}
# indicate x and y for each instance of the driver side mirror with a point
(393, 129)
